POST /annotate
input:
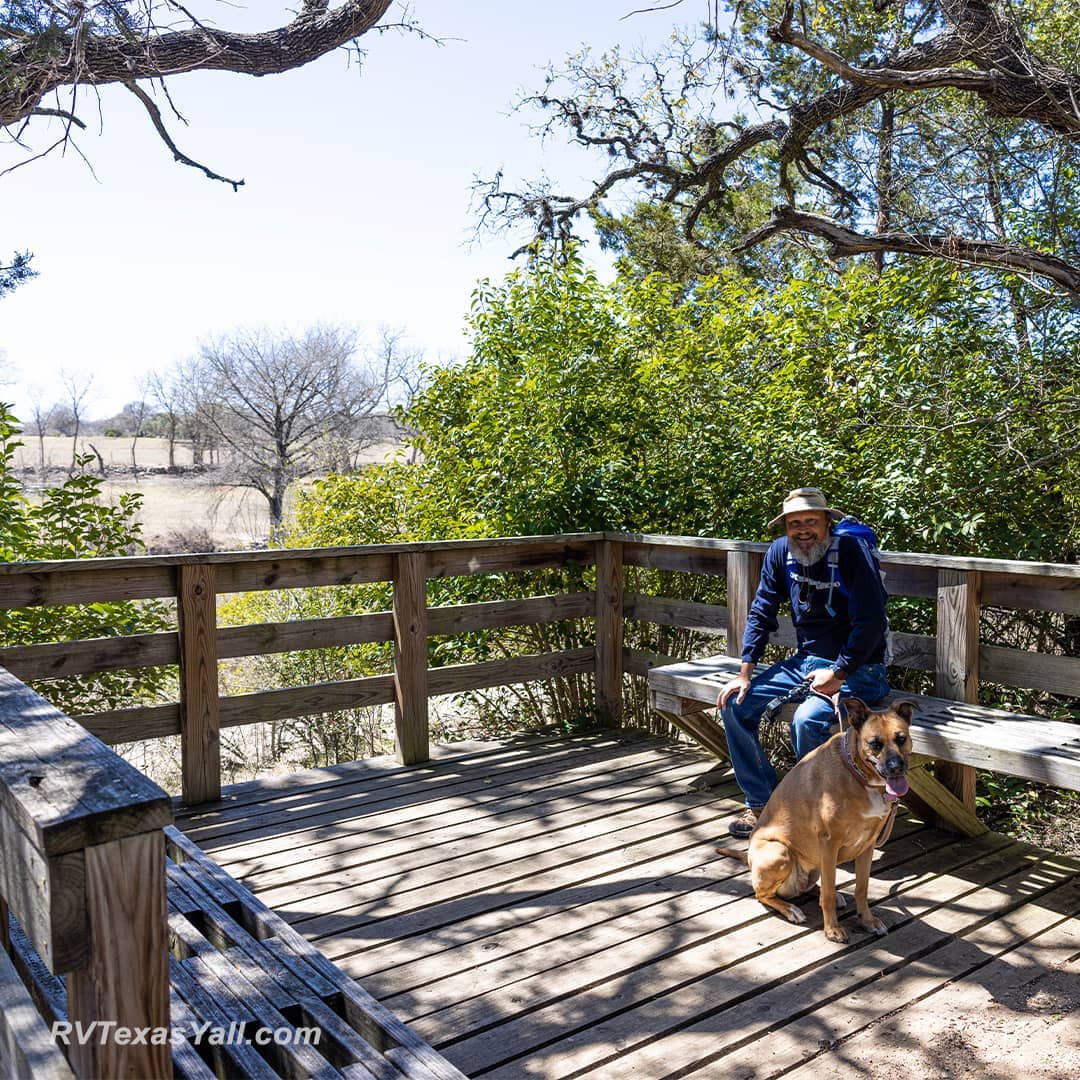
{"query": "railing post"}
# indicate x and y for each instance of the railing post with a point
(956, 674)
(126, 977)
(609, 631)
(410, 658)
(743, 571)
(200, 724)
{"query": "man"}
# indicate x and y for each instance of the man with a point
(840, 624)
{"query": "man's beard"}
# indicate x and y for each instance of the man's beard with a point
(808, 558)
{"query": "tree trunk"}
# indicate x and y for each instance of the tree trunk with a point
(886, 132)
(993, 188)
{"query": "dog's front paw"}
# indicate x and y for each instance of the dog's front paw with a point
(837, 934)
(874, 925)
(795, 915)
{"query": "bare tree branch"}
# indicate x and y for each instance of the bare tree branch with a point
(159, 125)
(845, 242)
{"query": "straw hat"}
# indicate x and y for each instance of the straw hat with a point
(805, 499)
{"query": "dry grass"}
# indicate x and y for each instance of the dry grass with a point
(176, 507)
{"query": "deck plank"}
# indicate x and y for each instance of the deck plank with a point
(559, 909)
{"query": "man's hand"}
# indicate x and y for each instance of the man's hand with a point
(825, 681)
(739, 685)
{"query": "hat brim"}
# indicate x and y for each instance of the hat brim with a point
(778, 521)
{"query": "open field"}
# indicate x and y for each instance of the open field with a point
(175, 506)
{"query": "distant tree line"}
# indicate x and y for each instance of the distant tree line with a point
(264, 407)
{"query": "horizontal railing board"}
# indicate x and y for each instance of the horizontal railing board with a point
(57, 659)
(697, 560)
(464, 618)
(54, 660)
(1034, 671)
(133, 724)
(302, 634)
(66, 585)
(454, 679)
(540, 555)
(62, 786)
(665, 611)
(641, 662)
(1021, 590)
(296, 572)
(292, 702)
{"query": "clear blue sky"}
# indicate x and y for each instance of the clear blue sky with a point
(355, 208)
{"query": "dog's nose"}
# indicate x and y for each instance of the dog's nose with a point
(895, 765)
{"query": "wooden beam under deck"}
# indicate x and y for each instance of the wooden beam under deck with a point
(556, 907)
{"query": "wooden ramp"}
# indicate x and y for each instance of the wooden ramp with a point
(555, 908)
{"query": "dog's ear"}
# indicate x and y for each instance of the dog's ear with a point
(857, 711)
(906, 708)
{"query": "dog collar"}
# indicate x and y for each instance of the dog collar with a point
(845, 756)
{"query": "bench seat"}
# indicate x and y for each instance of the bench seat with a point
(1014, 744)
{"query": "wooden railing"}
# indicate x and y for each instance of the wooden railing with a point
(82, 869)
(959, 587)
(81, 848)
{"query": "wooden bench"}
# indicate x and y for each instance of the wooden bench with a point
(116, 916)
(951, 731)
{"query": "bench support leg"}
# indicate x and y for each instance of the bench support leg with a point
(702, 729)
(946, 809)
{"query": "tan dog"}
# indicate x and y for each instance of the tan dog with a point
(829, 809)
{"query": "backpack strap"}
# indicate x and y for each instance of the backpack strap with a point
(833, 562)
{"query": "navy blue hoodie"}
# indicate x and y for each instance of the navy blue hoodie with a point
(854, 636)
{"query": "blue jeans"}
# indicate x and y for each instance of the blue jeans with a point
(809, 728)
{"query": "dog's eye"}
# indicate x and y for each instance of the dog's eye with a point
(876, 746)
(900, 738)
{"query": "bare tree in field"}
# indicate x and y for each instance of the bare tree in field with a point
(163, 390)
(76, 386)
(42, 419)
(275, 398)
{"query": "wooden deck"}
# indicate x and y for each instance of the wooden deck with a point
(555, 908)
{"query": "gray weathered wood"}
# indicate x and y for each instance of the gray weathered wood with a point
(410, 658)
(465, 618)
(47, 895)
(665, 611)
(25, 1041)
(538, 554)
(744, 570)
(454, 678)
(62, 787)
(200, 723)
(956, 674)
(609, 632)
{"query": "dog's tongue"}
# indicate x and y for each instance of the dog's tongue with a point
(896, 786)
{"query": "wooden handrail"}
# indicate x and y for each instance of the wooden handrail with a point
(194, 580)
(82, 867)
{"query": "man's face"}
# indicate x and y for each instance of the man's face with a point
(806, 528)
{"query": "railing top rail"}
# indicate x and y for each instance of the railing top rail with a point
(289, 554)
(906, 558)
(64, 788)
(705, 543)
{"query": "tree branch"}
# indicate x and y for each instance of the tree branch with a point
(40, 63)
(845, 242)
(155, 117)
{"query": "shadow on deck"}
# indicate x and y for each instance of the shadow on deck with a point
(555, 908)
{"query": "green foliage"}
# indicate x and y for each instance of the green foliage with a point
(647, 405)
(72, 522)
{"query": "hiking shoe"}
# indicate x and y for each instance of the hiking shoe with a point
(744, 824)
